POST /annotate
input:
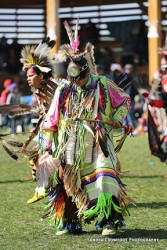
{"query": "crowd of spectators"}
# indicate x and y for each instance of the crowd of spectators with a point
(12, 95)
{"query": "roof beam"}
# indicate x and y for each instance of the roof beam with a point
(22, 3)
(63, 3)
(72, 3)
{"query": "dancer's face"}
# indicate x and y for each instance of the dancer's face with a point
(78, 80)
(164, 65)
(33, 79)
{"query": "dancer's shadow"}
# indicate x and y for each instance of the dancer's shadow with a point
(143, 177)
(154, 205)
(15, 181)
(134, 234)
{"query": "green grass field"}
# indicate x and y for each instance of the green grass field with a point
(22, 229)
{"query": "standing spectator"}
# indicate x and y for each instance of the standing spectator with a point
(14, 99)
(132, 92)
(4, 95)
(100, 69)
(115, 71)
(6, 91)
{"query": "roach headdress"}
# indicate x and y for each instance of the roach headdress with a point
(71, 50)
(38, 56)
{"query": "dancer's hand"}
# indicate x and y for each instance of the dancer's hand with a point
(116, 124)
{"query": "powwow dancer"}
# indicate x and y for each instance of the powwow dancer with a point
(158, 142)
(40, 69)
(87, 183)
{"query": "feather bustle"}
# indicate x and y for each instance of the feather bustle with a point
(21, 109)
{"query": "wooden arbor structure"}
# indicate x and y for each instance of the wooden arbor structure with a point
(52, 20)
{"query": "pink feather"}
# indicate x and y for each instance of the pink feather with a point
(75, 44)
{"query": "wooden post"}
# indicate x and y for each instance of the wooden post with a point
(52, 22)
(154, 36)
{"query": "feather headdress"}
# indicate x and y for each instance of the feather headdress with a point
(71, 50)
(38, 55)
(163, 51)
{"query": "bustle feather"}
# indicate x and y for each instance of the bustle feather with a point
(46, 92)
(11, 152)
(14, 143)
(15, 110)
(50, 86)
(45, 98)
(102, 143)
(124, 81)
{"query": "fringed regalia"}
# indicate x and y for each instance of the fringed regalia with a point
(90, 166)
(157, 140)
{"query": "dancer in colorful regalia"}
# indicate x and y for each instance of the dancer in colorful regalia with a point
(39, 67)
(82, 116)
(157, 141)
